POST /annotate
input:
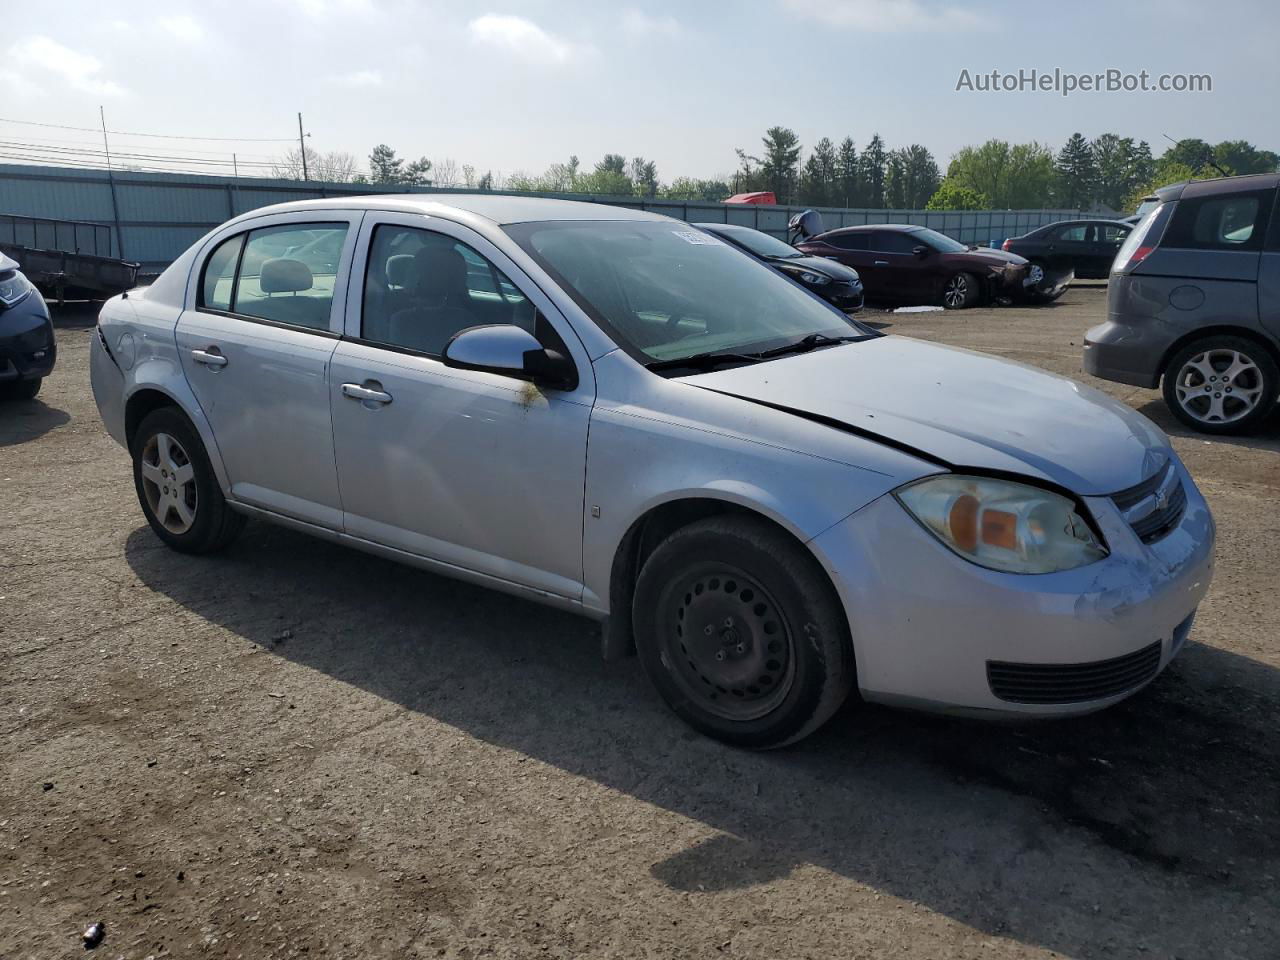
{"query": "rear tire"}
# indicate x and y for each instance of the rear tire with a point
(961, 291)
(177, 487)
(21, 389)
(1221, 385)
(740, 630)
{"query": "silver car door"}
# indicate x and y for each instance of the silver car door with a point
(262, 322)
(477, 470)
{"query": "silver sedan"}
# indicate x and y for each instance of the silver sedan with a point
(617, 413)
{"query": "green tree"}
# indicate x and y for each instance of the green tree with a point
(1075, 173)
(952, 195)
(871, 173)
(687, 188)
(485, 182)
(846, 175)
(384, 165)
(1241, 157)
(779, 165)
(1191, 152)
(1030, 180)
(1010, 176)
(911, 178)
(418, 173)
(983, 169)
(644, 175)
(1165, 174)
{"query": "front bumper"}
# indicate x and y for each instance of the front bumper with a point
(28, 349)
(927, 625)
(843, 296)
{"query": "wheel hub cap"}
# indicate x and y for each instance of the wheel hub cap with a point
(169, 483)
(728, 647)
(1219, 386)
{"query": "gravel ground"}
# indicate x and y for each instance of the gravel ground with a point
(295, 749)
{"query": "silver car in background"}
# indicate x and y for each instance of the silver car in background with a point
(618, 414)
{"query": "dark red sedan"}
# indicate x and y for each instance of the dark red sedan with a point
(908, 264)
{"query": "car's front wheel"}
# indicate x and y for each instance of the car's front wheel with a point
(1221, 384)
(20, 389)
(177, 487)
(960, 291)
(738, 627)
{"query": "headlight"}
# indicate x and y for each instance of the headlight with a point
(1003, 525)
(815, 278)
(14, 288)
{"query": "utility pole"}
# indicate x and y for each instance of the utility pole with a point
(111, 179)
(302, 145)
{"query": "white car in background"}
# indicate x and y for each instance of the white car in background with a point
(618, 414)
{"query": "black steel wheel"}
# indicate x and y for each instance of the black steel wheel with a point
(741, 632)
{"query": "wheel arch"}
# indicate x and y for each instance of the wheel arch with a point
(149, 394)
(1269, 345)
(654, 525)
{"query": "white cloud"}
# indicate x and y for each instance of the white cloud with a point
(523, 38)
(360, 78)
(185, 28)
(328, 9)
(640, 24)
(886, 16)
(78, 70)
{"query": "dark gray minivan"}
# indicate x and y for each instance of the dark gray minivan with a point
(1194, 300)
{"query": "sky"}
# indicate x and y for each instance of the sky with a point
(516, 85)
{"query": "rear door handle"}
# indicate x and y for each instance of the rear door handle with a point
(365, 394)
(210, 358)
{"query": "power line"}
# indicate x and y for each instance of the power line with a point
(161, 136)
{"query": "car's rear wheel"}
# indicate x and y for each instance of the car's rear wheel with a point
(960, 291)
(1221, 384)
(739, 629)
(21, 389)
(177, 487)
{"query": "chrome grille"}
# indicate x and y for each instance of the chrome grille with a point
(1154, 507)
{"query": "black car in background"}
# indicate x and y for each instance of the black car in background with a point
(835, 283)
(1085, 247)
(27, 348)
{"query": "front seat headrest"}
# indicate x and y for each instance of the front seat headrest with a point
(284, 275)
(400, 271)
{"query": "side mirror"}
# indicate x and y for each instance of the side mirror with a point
(920, 250)
(511, 351)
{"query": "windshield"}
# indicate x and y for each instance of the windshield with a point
(939, 241)
(763, 245)
(666, 291)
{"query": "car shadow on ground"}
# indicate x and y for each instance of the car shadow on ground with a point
(24, 420)
(74, 314)
(1265, 437)
(1153, 823)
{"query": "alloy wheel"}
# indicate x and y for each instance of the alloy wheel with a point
(169, 483)
(1219, 386)
(727, 645)
(957, 291)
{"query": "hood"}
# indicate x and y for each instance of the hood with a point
(7, 264)
(819, 265)
(991, 255)
(964, 409)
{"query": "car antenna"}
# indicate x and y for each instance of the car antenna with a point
(1208, 160)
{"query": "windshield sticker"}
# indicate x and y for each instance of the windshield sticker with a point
(700, 239)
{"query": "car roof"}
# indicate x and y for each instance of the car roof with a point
(1086, 220)
(1217, 185)
(498, 208)
(896, 227)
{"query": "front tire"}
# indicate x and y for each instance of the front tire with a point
(1221, 385)
(21, 389)
(739, 629)
(177, 487)
(960, 291)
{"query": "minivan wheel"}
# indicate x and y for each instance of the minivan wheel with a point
(1221, 384)
(176, 485)
(961, 291)
(739, 629)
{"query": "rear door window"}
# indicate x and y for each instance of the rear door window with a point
(1231, 222)
(287, 274)
(1076, 233)
(894, 241)
(850, 241)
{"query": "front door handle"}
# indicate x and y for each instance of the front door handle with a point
(882, 263)
(211, 357)
(365, 394)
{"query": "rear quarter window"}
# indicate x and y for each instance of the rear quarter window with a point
(1225, 222)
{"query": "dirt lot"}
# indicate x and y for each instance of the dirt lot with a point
(296, 749)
